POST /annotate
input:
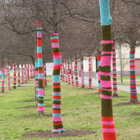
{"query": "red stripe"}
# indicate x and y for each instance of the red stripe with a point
(132, 86)
(131, 52)
(56, 67)
(40, 71)
(107, 118)
(108, 126)
(56, 86)
(56, 53)
(39, 24)
(57, 123)
(56, 97)
(133, 96)
(57, 111)
(39, 55)
(109, 136)
(133, 76)
(39, 42)
(98, 57)
(55, 41)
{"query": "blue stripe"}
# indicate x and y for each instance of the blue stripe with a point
(39, 49)
(39, 28)
(56, 115)
(56, 78)
(56, 94)
(59, 130)
(39, 62)
(40, 96)
(40, 75)
(133, 93)
(57, 107)
(54, 37)
(58, 61)
(55, 43)
(40, 89)
(56, 100)
(41, 105)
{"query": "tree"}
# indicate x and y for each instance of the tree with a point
(108, 126)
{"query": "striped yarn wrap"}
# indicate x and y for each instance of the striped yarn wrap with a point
(76, 74)
(28, 72)
(82, 74)
(115, 92)
(14, 76)
(68, 73)
(63, 72)
(90, 74)
(18, 76)
(36, 82)
(31, 71)
(72, 80)
(8, 77)
(4, 72)
(45, 75)
(108, 126)
(40, 69)
(98, 63)
(133, 90)
(22, 75)
(56, 110)
(25, 73)
(2, 80)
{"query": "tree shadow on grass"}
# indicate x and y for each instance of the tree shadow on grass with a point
(50, 134)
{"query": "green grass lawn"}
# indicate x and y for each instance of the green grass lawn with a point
(80, 110)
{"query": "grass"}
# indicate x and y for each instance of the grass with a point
(81, 110)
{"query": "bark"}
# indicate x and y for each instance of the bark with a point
(82, 74)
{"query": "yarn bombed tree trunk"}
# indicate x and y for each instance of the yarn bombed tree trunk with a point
(45, 75)
(133, 90)
(115, 92)
(82, 74)
(90, 75)
(63, 72)
(8, 78)
(108, 126)
(66, 78)
(25, 73)
(28, 72)
(56, 112)
(72, 81)
(36, 82)
(76, 74)
(31, 71)
(68, 74)
(22, 75)
(40, 71)
(14, 76)
(2, 80)
(18, 76)
(98, 63)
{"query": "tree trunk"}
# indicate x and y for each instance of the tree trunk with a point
(90, 73)
(2, 80)
(108, 126)
(14, 76)
(8, 78)
(76, 74)
(133, 90)
(22, 75)
(57, 120)
(68, 73)
(72, 81)
(115, 92)
(18, 76)
(82, 74)
(40, 71)
(99, 81)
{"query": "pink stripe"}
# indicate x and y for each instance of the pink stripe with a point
(106, 97)
(107, 122)
(105, 61)
(105, 73)
(39, 35)
(105, 52)
(105, 130)
(54, 34)
(107, 42)
(40, 92)
(57, 119)
(40, 109)
(55, 46)
(39, 78)
(2, 84)
(57, 57)
(55, 105)
(58, 129)
(105, 83)
(57, 65)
